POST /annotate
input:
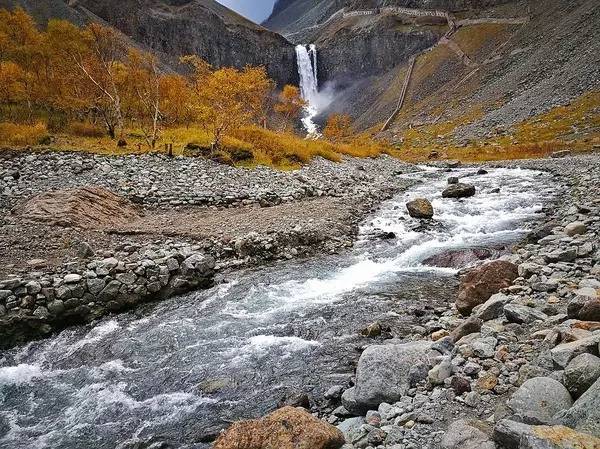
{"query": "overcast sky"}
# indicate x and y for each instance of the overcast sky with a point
(255, 10)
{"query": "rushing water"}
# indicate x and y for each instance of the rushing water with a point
(180, 369)
(309, 85)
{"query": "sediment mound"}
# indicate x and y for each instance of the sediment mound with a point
(86, 207)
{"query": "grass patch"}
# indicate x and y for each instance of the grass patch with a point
(22, 134)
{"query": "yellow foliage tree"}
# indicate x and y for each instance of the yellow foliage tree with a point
(289, 105)
(338, 127)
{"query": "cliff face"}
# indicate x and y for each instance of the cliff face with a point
(179, 27)
(370, 47)
(200, 27)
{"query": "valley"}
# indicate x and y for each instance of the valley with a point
(361, 224)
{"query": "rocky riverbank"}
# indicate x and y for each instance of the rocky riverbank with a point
(84, 235)
(513, 365)
(519, 367)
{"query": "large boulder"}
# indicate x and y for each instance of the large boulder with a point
(518, 313)
(493, 307)
(459, 190)
(420, 208)
(565, 352)
(85, 207)
(516, 435)
(575, 228)
(466, 434)
(581, 373)
(584, 415)
(480, 283)
(539, 399)
(386, 372)
(286, 428)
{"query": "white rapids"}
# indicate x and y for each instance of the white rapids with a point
(181, 370)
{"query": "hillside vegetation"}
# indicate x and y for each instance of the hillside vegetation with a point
(83, 89)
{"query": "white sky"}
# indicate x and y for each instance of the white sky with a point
(255, 10)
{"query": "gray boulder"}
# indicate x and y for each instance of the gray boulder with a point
(575, 228)
(584, 415)
(459, 190)
(581, 373)
(565, 352)
(492, 308)
(514, 435)
(465, 434)
(518, 313)
(385, 373)
(539, 399)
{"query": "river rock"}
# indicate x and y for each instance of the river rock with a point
(286, 428)
(440, 372)
(469, 326)
(581, 373)
(565, 352)
(458, 190)
(518, 313)
(420, 208)
(539, 399)
(575, 228)
(514, 435)
(480, 283)
(584, 415)
(468, 434)
(590, 311)
(384, 372)
(492, 308)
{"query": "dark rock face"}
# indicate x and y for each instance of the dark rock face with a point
(203, 28)
(482, 282)
(358, 52)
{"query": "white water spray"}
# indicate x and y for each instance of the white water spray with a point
(309, 85)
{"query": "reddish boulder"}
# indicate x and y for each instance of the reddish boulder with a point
(480, 283)
(286, 428)
(590, 311)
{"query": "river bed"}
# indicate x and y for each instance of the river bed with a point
(175, 372)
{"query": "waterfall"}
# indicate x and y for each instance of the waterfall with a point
(309, 85)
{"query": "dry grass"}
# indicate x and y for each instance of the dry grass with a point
(83, 129)
(281, 150)
(22, 134)
(478, 40)
(575, 126)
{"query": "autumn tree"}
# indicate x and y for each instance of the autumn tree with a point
(290, 104)
(22, 44)
(228, 98)
(143, 90)
(96, 53)
(338, 127)
(175, 96)
(12, 83)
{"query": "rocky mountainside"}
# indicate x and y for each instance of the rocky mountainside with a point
(178, 27)
(498, 72)
(290, 16)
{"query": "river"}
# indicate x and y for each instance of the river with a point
(173, 373)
